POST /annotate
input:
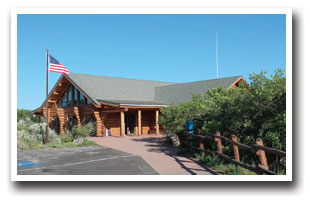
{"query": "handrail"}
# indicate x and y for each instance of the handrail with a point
(253, 148)
(257, 148)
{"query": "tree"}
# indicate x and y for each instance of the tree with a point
(24, 114)
(250, 111)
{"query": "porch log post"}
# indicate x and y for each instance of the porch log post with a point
(77, 115)
(156, 122)
(122, 124)
(98, 124)
(139, 123)
(60, 114)
(103, 129)
(65, 122)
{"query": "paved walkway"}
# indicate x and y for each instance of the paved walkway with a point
(153, 149)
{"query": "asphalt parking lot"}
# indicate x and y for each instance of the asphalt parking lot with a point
(93, 160)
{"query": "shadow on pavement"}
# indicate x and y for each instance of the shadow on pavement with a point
(159, 145)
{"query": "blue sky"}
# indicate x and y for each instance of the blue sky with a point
(173, 48)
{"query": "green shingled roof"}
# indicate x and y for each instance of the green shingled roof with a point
(183, 92)
(124, 91)
(116, 90)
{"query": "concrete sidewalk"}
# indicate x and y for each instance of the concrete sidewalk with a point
(153, 149)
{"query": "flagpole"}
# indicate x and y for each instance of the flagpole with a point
(47, 55)
(217, 59)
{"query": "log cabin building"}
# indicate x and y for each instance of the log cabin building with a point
(118, 106)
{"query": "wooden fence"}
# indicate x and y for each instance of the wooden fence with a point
(257, 148)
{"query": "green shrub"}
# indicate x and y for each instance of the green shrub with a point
(26, 114)
(37, 128)
(23, 124)
(66, 138)
(53, 137)
(27, 141)
(250, 111)
(83, 130)
(30, 135)
(211, 160)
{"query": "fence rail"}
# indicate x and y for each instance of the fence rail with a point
(258, 148)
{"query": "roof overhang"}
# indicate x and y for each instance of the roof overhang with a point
(128, 104)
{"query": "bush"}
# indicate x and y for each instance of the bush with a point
(66, 138)
(211, 160)
(83, 130)
(250, 111)
(30, 135)
(53, 137)
(24, 114)
(37, 128)
(27, 141)
(23, 124)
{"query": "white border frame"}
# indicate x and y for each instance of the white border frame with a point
(286, 11)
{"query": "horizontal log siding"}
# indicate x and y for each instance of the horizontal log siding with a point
(112, 121)
(152, 123)
(148, 122)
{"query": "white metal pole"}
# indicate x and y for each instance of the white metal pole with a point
(217, 59)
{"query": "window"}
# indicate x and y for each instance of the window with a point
(64, 100)
(72, 97)
(82, 99)
(75, 94)
(69, 95)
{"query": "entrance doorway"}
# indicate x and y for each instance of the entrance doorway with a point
(72, 121)
(56, 124)
(130, 124)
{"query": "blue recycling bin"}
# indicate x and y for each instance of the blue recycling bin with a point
(190, 126)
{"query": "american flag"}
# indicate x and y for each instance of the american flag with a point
(56, 67)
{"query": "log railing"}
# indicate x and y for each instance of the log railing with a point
(257, 148)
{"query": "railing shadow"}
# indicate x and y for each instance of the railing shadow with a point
(159, 145)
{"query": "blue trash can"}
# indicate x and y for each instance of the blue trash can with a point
(190, 126)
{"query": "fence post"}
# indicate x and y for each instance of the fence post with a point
(186, 141)
(201, 145)
(219, 142)
(236, 149)
(262, 154)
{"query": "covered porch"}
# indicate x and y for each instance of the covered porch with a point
(128, 121)
(110, 121)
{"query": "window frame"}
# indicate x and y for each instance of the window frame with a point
(72, 92)
(69, 93)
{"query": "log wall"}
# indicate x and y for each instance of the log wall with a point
(112, 121)
(105, 120)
